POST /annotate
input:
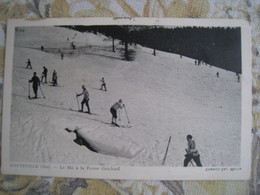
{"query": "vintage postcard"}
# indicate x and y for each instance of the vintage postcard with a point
(128, 98)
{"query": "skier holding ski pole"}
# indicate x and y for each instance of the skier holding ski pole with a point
(36, 82)
(192, 153)
(85, 99)
(114, 109)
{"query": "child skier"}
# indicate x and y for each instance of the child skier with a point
(192, 153)
(114, 109)
(85, 99)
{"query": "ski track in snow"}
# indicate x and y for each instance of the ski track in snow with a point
(164, 96)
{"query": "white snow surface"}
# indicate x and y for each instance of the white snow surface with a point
(165, 95)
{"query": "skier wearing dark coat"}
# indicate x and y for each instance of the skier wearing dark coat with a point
(36, 82)
(114, 109)
(192, 153)
(85, 99)
(44, 74)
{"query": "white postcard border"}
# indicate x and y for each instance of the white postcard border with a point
(121, 172)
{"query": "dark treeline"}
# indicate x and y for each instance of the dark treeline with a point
(217, 46)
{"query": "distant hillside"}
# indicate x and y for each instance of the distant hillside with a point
(220, 47)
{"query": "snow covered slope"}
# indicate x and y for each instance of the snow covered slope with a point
(165, 95)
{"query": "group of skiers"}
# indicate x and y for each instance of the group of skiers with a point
(191, 151)
(36, 81)
(217, 74)
(113, 109)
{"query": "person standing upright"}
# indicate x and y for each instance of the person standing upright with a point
(85, 99)
(29, 65)
(44, 74)
(54, 78)
(36, 82)
(103, 84)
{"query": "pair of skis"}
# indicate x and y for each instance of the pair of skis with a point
(29, 94)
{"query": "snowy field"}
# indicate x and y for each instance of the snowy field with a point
(165, 95)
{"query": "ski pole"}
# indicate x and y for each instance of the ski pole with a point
(77, 100)
(126, 115)
(42, 92)
(29, 96)
(164, 159)
(191, 163)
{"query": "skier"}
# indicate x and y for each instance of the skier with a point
(62, 55)
(192, 153)
(114, 109)
(217, 74)
(103, 84)
(85, 99)
(29, 64)
(54, 78)
(36, 82)
(44, 74)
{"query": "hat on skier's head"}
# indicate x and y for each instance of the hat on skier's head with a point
(83, 87)
(189, 136)
(120, 101)
(34, 73)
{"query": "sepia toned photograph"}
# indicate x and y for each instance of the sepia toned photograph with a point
(127, 99)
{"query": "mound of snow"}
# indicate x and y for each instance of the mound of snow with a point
(112, 145)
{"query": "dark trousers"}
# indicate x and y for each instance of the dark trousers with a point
(189, 157)
(54, 82)
(29, 66)
(85, 101)
(103, 85)
(44, 76)
(113, 112)
(35, 89)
